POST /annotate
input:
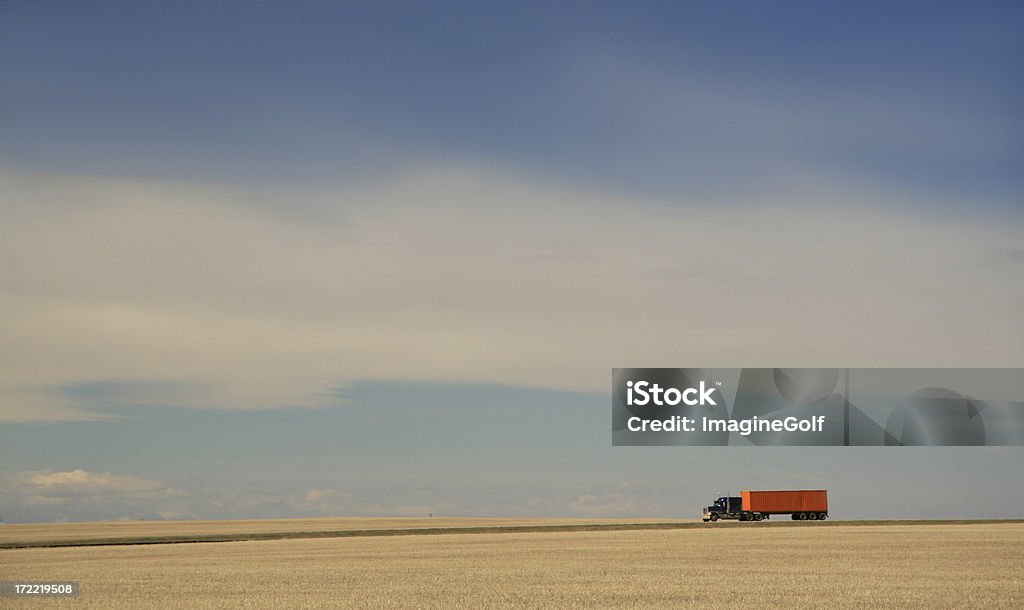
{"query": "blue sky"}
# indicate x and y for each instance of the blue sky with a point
(704, 98)
(420, 448)
(229, 230)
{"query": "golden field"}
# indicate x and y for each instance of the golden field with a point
(15, 533)
(818, 565)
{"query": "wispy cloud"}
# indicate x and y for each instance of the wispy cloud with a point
(77, 483)
(466, 274)
(80, 494)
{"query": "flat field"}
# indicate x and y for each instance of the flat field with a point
(807, 565)
(41, 534)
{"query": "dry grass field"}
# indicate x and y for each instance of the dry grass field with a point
(929, 566)
(17, 533)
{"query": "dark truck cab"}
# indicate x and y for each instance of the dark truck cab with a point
(729, 507)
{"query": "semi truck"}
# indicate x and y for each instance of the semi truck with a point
(800, 504)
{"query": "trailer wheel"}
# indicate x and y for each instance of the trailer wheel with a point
(794, 516)
(812, 516)
(822, 516)
(714, 517)
(802, 517)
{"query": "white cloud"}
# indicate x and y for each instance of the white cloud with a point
(82, 483)
(45, 495)
(612, 504)
(326, 501)
(234, 298)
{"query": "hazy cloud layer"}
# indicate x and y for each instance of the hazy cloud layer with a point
(943, 483)
(79, 494)
(130, 292)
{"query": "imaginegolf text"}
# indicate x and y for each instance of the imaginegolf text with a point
(742, 426)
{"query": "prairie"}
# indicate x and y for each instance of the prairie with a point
(945, 565)
(42, 533)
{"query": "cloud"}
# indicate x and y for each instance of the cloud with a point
(197, 295)
(82, 482)
(326, 501)
(613, 504)
(78, 484)
(46, 495)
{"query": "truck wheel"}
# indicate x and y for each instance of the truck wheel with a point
(714, 517)
(812, 516)
(822, 516)
(758, 517)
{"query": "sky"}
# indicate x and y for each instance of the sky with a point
(267, 260)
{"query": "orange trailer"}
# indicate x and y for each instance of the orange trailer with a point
(801, 503)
